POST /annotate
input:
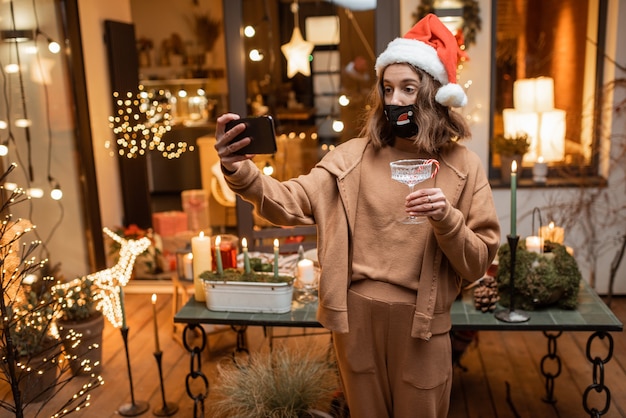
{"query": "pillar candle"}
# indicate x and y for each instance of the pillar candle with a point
(534, 244)
(156, 324)
(122, 309)
(201, 250)
(218, 255)
(276, 257)
(306, 272)
(514, 198)
(246, 258)
(188, 266)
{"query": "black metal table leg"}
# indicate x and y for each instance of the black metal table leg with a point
(598, 375)
(195, 369)
(553, 357)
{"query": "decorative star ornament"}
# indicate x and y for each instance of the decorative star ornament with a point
(297, 52)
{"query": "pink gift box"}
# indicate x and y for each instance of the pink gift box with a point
(169, 223)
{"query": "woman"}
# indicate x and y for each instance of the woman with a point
(386, 288)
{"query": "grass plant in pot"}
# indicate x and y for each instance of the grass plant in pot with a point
(80, 325)
(510, 148)
(285, 382)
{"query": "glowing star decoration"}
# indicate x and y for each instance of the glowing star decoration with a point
(298, 50)
(107, 282)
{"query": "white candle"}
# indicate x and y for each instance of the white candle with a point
(534, 244)
(156, 325)
(306, 272)
(246, 257)
(188, 266)
(201, 250)
(540, 171)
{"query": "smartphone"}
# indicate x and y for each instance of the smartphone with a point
(260, 130)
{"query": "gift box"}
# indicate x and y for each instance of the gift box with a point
(169, 223)
(196, 205)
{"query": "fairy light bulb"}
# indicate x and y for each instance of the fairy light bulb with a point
(4, 150)
(56, 193)
(54, 47)
(337, 125)
(268, 170)
(343, 100)
(249, 31)
(255, 55)
(23, 123)
(11, 68)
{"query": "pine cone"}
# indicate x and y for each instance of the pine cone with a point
(486, 294)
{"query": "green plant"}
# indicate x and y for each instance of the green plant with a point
(207, 30)
(32, 315)
(236, 275)
(77, 303)
(284, 382)
(551, 278)
(511, 145)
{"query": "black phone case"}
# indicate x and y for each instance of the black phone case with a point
(261, 132)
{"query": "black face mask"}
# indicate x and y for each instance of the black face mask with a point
(402, 120)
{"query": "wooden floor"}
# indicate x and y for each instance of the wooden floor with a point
(502, 376)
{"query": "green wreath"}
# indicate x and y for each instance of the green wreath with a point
(471, 17)
(541, 280)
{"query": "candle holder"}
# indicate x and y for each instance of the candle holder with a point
(133, 408)
(511, 315)
(168, 408)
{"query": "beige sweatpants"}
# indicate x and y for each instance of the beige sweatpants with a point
(384, 371)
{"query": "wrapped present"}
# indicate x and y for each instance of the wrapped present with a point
(196, 206)
(169, 223)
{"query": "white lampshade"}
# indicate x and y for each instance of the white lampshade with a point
(534, 94)
(552, 135)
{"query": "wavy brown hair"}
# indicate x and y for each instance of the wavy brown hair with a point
(438, 125)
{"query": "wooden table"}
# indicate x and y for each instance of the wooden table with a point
(591, 315)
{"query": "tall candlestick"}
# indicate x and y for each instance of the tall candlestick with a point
(276, 257)
(514, 198)
(201, 250)
(122, 309)
(156, 325)
(218, 255)
(246, 258)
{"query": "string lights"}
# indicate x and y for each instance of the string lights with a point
(108, 282)
(139, 123)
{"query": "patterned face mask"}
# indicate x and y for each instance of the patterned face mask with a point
(402, 121)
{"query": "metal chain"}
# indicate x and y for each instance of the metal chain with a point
(598, 375)
(195, 369)
(552, 356)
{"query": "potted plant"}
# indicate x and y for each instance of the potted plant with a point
(510, 148)
(28, 348)
(80, 321)
(550, 278)
(282, 383)
(35, 348)
(233, 290)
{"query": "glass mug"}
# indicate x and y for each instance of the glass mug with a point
(228, 251)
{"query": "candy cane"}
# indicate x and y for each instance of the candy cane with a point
(435, 163)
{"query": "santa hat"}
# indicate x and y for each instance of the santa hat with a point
(430, 46)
